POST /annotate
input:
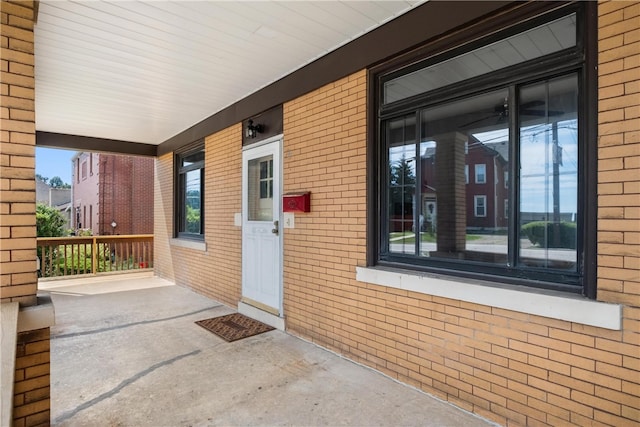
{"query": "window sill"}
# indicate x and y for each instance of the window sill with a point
(554, 305)
(189, 244)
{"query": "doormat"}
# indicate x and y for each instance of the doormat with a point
(233, 327)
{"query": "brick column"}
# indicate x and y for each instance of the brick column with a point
(452, 218)
(18, 273)
(31, 389)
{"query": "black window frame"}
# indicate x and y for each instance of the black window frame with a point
(180, 191)
(581, 59)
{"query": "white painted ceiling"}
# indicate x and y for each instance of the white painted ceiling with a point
(143, 71)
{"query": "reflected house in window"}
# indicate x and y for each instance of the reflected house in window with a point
(495, 157)
(493, 189)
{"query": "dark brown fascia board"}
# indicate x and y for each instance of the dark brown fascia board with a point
(87, 143)
(36, 10)
(397, 36)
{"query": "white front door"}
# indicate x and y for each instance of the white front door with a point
(261, 229)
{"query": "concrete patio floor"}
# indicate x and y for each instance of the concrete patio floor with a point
(125, 351)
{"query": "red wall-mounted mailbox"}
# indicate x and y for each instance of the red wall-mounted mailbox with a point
(296, 202)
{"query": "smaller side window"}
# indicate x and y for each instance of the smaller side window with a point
(480, 205)
(481, 173)
(466, 174)
(190, 194)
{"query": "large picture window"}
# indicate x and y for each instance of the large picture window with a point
(511, 112)
(190, 194)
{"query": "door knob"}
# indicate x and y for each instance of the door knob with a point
(275, 228)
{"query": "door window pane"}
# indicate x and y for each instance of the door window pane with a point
(549, 173)
(266, 179)
(260, 189)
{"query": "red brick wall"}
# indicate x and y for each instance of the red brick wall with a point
(126, 194)
(117, 188)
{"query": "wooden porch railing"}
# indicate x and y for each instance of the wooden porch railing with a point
(69, 256)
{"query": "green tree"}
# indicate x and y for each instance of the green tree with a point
(193, 220)
(56, 182)
(42, 178)
(402, 183)
(49, 221)
(403, 172)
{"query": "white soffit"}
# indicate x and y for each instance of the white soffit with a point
(143, 71)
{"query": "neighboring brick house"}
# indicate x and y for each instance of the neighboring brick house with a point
(533, 337)
(486, 187)
(110, 190)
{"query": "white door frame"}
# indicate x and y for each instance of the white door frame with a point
(250, 307)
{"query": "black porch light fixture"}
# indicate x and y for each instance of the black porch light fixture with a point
(252, 130)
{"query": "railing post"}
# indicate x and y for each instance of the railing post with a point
(94, 256)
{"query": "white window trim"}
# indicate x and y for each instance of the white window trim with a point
(475, 206)
(475, 169)
(554, 305)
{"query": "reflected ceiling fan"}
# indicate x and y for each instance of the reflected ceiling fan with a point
(527, 110)
(501, 113)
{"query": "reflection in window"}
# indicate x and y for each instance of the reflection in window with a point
(481, 174)
(529, 45)
(433, 213)
(192, 202)
(266, 179)
(190, 218)
(481, 170)
(402, 183)
(456, 219)
(549, 173)
(480, 205)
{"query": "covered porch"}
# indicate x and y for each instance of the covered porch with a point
(125, 351)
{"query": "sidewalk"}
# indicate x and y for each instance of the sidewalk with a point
(125, 352)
